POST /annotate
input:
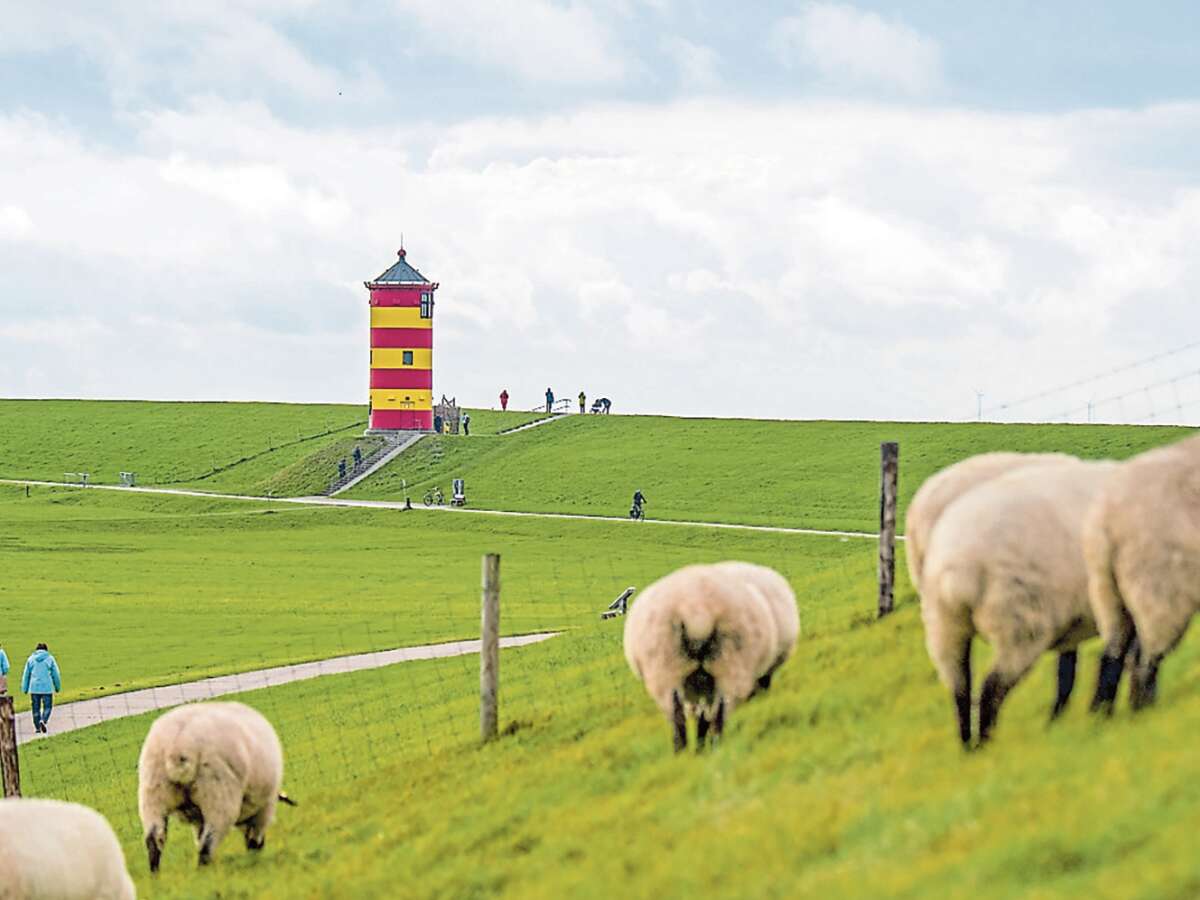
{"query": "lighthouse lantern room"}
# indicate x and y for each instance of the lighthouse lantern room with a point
(401, 349)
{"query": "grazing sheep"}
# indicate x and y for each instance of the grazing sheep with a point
(1142, 548)
(700, 638)
(215, 765)
(51, 850)
(782, 601)
(1005, 561)
(941, 489)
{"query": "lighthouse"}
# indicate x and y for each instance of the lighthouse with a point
(401, 349)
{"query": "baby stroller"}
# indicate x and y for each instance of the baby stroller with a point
(601, 405)
(459, 497)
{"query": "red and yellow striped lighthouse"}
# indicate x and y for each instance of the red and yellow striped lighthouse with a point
(401, 349)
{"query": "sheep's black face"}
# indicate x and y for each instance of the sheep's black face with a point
(699, 687)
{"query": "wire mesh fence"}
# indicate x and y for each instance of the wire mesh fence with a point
(371, 696)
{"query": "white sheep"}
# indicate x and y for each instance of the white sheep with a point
(700, 638)
(1142, 548)
(215, 765)
(1005, 561)
(64, 851)
(942, 488)
(782, 601)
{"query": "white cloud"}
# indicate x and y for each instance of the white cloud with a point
(239, 48)
(14, 222)
(536, 40)
(223, 255)
(847, 46)
(697, 65)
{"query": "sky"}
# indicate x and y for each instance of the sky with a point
(800, 210)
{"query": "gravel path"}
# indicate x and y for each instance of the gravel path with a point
(82, 713)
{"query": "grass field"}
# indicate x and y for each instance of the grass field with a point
(134, 590)
(807, 474)
(845, 780)
(281, 448)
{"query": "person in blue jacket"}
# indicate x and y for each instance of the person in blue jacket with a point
(3, 671)
(40, 681)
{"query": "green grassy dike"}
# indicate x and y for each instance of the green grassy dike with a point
(803, 474)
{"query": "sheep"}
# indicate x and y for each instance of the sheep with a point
(782, 601)
(942, 488)
(1142, 551)
(215, 765)
(1005, 561)
(700, 638)
(64, 851)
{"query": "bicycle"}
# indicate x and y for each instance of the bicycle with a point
(637, 512)
(435, 496)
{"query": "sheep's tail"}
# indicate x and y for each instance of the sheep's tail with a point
(182, 767)
(697, 631)
(947, 597)
(1104, 594)
(284, 798)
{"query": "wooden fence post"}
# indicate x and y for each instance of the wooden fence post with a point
(10, 771)
(889, 468)
(489, 650)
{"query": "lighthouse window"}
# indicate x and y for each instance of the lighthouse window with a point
(408, 358)
(426, 305)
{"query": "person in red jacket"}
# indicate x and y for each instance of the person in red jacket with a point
(504, 399)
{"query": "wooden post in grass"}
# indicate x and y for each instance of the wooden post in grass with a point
(489, 650)
(10, 772)
(889, 468)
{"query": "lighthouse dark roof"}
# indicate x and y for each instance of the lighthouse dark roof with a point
(401, 273)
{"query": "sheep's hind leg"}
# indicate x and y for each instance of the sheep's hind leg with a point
(255, 830)
(995, 688)
(1066, 681)
(678, 722)
(210, 836)
(962, 697)
(1143, 682)
(719, 721)
(156, 838)
(1112, 664)
(702, 724)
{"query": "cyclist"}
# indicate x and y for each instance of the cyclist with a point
(639, 500)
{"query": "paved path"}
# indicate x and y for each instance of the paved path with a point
(82, 713)
(398, 505)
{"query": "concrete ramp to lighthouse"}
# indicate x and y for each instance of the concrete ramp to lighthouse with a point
(398, 443)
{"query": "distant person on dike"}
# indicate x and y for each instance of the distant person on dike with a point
(582, 403)
(503, 400)
(357, 457)
(466, 423)
(40, 680)
(605, 405)
(3, 671)
(549, 399)
(342, 467)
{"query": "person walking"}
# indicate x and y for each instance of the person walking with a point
(357, 457)
(466, 424)
(40, 680)
(3, 672)
(549, 400)
(342, 467)
(504, 400)
(582, 403)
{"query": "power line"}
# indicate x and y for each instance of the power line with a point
(1093, 378)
